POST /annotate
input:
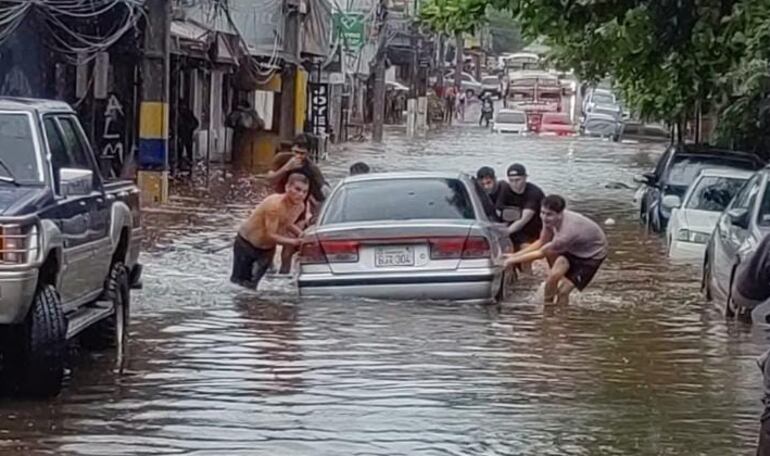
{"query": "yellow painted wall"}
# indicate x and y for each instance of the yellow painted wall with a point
(300, 103)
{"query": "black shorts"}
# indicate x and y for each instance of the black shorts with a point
(581, 270)
(249, 263)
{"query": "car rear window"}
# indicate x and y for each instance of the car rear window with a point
(511, 118)
(684, 169)
(399, 199)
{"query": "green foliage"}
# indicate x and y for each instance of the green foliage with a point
(505, 31)
(452, 16)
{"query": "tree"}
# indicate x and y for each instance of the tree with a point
(505, 31)
(453, 18)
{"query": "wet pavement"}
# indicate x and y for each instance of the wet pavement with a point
(639, 364)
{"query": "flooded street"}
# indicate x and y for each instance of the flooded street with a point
(637, 365)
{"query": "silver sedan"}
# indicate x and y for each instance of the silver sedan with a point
(407, 236)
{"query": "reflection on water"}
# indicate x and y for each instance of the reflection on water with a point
(636, 365)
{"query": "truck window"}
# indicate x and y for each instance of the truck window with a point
(77, 147)
(77, 150)
(59, 157)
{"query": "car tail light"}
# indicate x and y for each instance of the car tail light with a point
(340, 251)
(446, 248)
(310, 253)
(315, 252)
(476, 247)
(456, 248)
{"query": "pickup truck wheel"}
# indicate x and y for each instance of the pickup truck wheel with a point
(35, 363)
(113, 330)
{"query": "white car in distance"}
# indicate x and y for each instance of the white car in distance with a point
(693, 219)
(510, 121)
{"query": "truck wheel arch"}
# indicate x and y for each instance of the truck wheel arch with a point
(49, 270)
(120, 227)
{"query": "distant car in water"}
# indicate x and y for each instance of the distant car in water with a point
(437, 241)
(491, 85)
(602, 126)
(468, 83)
(675, 171)
(694, 217)
(510, 121)
(595, 98)
(740, 228)
(556, 124)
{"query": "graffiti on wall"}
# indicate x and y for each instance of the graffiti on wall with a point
(112, 140)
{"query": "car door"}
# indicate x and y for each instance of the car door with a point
(97, 237)
(729, 237)
(71, 214)
(99, 209)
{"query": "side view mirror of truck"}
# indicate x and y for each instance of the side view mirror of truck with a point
(76, 182)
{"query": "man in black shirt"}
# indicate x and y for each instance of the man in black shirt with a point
(519, 205)
(751, 288)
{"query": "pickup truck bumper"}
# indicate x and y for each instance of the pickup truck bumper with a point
(17, 290)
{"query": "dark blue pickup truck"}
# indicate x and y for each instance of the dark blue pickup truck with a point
(69, 245)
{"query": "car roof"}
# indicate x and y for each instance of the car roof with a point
(32, 104)
(398, 175)
(726, 172)
(705, 151)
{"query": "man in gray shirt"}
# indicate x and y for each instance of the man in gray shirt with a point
(574, 245)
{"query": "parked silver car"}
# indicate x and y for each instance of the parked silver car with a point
(740, 229)
(406, 236)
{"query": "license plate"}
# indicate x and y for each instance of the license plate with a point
(385, 257)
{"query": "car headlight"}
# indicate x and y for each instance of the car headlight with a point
(696, 237)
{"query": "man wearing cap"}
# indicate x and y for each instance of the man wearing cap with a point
(519, 205)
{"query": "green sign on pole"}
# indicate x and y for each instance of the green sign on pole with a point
(350, 27)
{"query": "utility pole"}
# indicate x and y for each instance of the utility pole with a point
(153, 162)
(286, 126)
(459, 60)
(379, 73)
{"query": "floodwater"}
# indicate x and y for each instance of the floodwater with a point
(639, 364)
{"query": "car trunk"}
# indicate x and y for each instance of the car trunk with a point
(393, 246)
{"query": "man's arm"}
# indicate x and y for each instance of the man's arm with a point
(272, 233)
(290, 165)
(526, 216)
(534, 252)
(295, 230)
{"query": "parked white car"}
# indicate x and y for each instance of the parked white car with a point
(693, 219)
(510, 121)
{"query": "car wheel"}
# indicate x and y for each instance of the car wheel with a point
(34, 362)
(731, 309)
(113, 330)
(706, 280)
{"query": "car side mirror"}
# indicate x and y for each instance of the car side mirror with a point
(646, 178)
(739, 218)
(76, 182)
(672, 202)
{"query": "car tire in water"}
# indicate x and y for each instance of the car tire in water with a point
(113, 330)
(706, 280)
(35, 352)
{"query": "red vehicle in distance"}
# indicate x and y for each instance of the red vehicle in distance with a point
(557, 124)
